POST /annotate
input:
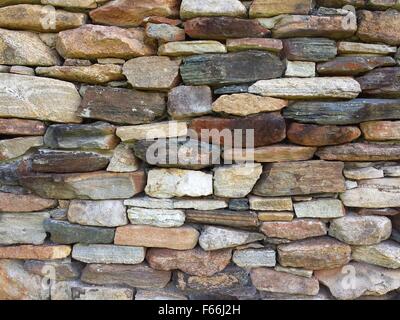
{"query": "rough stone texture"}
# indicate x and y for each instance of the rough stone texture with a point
(254, 258)
(101, 293)
(156, 217)
(270, 204)
(235, 219)
(300, 69)
(208, 8)
(19, 127)
(123, 160)
(10, 202)
(314, 254)
(195, 262)
(42, 252)
(275, 216)
(153, 131)
(363, 173)
(65, 269)
(345, 47)
(107, 254)
(16, 147)
(321, 208)
(264, 44)
(297, 229)
(164, 32)
(270, 8)
(380, 83)
(385, 254)
(188, 48)
(381, 130)
(361, 230)
(309, 49)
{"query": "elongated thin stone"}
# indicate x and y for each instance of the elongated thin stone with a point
(107, 253)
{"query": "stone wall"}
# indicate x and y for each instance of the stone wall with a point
(89, 88)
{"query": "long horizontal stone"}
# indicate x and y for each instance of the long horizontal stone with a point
(296, 229)
(360, 152)
(43, 252)
(315, 254)
(270, 203)
(267, 216)
(38, 98)
(100, 185)
(16, 147)
(264, 44)
(20, 127)
(10, 202)
(309, 49)
(182, 238)
(164, 218)
(137, 276)
(65, 268)
(254, 258)
(308, 88)
(373, 193)
(120, 105)
(107, 254)
(320, 208)
(67, 233)
(381, 83)
(385, 254)
(197, 204)
(209, 8)
(343, 112)
(236, 219)
(345, 47)
(268, 8)
(299, 178)
(381, 130)
(20, 228)
(230, 68)
(188, 48)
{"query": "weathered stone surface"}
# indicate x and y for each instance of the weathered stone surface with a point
(263, 44)
(37, 98)
(158, 295)
(369, 280)
(94, 42)
(16, 147)
(22, 70)
(298, 178)
(108, 253)
(363, 173)
(377, 212)
(169, 183)
(379, 26)
(84, 4)
(320, 208)
(123, 159)
(343, 112)
(67, 233)
(120, 105)
(65, 269)
(164, 32)
(239, 204)
(138, 276)
(309, 49)
(99, 135)
(385, 254)
(315, 254)
(297, 229)
(308, 88)
(381, 130)
(269, 128)
(271, 8)
(244, 104)
(10, 202)
(352, 66)
(141, 71)
(100, 185)
(314, 135)
(43, 252)
(221, 28)
(230, 68)
(274, 153)
(93, 293)
(94, 74)
(275, 216)
(127, 13)
(334, 27)
(32, 17)
(214, 238)
(163, 218)
(364, 48)
(391, 171)
(360, 152)
(157, 130)
(199, 204)
(254, 258)
(296, 271)
(17, 284)
(189, 101)
(105, 213)
(361, 230)
(195, 262)
(373, 193)
(300, 69)
(19, 127)
(238, 219)
(270, 204)
(182, 238)
(22, 228)
(187, 48)
(236, 181)
(273, 281)
(63, 161)
(381, 83)
(208, 8)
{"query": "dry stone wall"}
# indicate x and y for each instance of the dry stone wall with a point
(110, 190)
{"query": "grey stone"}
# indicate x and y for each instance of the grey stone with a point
(253, 258)
(108, 253)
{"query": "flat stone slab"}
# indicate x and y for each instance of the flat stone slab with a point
(107, 254)
(321, 208)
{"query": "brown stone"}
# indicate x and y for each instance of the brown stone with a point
(309, 49)
(182, 238)
(128, 13)
(314, 254)
(264, 44)
(299, 178)
(237, 219)
(360, 152)
(221, 28)
(379, 26)
(378, 212)
(138, 276)
(20, 127)
(315, 135)
(271, 8)
(381, 83)
(42, 252)
(195, 262)
(275, 216)
(10, 202)
(381, 130)
(269, 128)
(94, 41)
(281, 282)
(297, 229)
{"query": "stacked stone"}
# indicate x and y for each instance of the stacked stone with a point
(88, 86)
